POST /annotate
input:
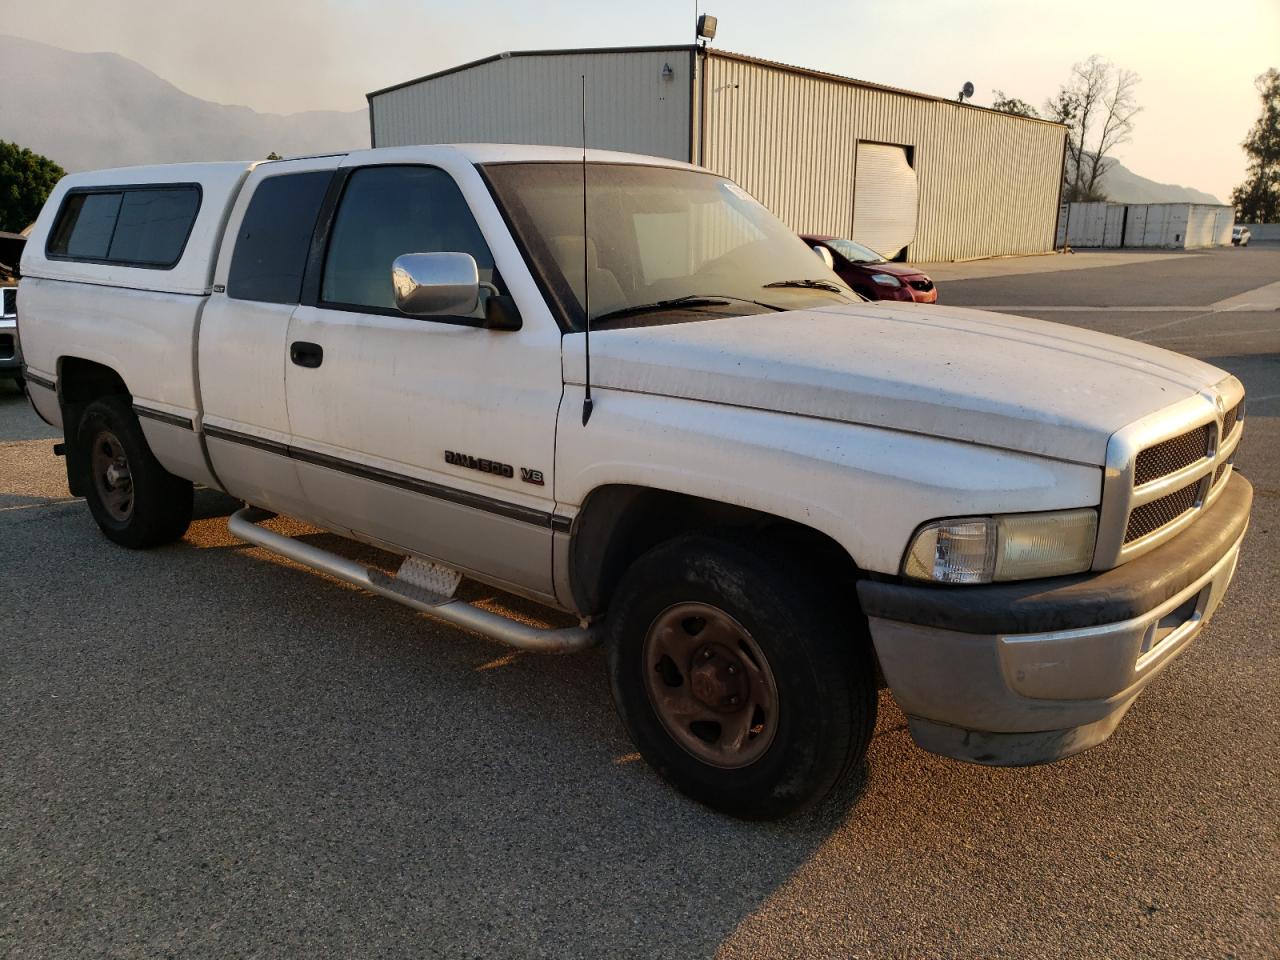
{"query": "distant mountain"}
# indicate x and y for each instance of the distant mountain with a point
(90, 110)
(1122, 185)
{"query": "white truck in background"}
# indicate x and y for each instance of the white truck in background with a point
(767, 497)
(10, 359)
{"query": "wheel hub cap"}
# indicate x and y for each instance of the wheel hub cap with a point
(710, 685)
(717, 681)
(117, 475)
(111, 477)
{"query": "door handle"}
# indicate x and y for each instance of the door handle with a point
(306, 354)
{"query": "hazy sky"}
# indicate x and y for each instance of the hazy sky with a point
(1197, 60)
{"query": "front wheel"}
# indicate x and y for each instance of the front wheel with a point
(737, 680)
(135, 501)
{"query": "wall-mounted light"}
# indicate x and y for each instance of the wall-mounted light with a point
(706, 27)
(667, 73)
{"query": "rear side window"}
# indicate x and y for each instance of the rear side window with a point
(275, 237)
(136, 226)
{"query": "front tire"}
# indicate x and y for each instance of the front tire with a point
(135, 501)
(738, 680)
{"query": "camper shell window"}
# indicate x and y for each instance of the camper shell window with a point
(143, 225)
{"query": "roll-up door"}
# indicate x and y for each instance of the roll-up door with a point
(884, 199)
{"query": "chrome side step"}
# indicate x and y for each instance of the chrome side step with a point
(413, 591)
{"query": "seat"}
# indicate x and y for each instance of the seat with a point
(606, 292)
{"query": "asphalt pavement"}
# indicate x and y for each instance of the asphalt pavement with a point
(206, 751)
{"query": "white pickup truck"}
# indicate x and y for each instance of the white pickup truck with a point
(767, 497)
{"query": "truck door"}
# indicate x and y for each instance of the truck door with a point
(431, 435)
(243, 348)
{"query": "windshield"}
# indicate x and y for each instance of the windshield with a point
(854, 252)
(656, 235)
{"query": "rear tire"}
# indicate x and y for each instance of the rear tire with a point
(708, 639)
(135, 501)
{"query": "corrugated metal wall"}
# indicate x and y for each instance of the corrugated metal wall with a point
(988, 182)
(537, 99)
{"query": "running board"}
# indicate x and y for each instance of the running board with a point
(244, 524)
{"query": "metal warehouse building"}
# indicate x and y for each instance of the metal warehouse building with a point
(908, 174)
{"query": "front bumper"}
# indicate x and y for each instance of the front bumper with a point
(1031, 672)
(10, 357)
(907, 293)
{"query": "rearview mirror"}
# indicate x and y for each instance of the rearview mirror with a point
(824, 255)
(428, 284)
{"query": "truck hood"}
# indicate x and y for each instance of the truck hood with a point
(970, 375)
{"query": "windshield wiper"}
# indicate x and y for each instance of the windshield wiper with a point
(807, 285)
(689, 300)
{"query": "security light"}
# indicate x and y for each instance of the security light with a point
(706, 27)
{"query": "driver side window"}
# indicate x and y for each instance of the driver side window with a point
(389, 211)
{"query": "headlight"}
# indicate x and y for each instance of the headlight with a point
(886, 280)
(1014, 547)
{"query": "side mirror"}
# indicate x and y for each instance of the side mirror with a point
(431, 284)
(824, 255)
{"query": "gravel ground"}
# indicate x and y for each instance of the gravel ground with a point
(208, 752)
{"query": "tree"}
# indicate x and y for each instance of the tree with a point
(26, 178)
(1007, 104)
(1257, 200)
(1097, 105)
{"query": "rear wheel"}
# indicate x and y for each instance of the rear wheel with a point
(737, 680)
(135, 501)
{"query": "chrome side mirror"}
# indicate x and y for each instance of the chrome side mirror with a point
(824, 255)
(432, 284)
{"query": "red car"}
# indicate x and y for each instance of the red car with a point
(872, 275)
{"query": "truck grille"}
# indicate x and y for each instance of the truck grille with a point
(1150, 517)
(1163, 470)
(1173, 455)
(10, 306)
(6, 346)
(1229, 421)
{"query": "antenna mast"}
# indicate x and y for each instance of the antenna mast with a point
(586, 282)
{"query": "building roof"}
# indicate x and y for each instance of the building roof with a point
(486, 153)
(709, 51)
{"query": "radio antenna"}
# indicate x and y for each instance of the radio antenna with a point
(586, 273)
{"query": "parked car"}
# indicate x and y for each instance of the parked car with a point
(760, 492)
(1240, 235)
(10, 356)
(871, 275)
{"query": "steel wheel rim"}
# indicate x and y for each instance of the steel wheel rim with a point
(710, 685)
(111, 477)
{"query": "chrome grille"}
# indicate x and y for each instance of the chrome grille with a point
(1172, 455)
(1163, 469)
(1150, 517)
(1229, 420)
(10, 305)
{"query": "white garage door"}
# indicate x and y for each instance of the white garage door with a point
(884, 199)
